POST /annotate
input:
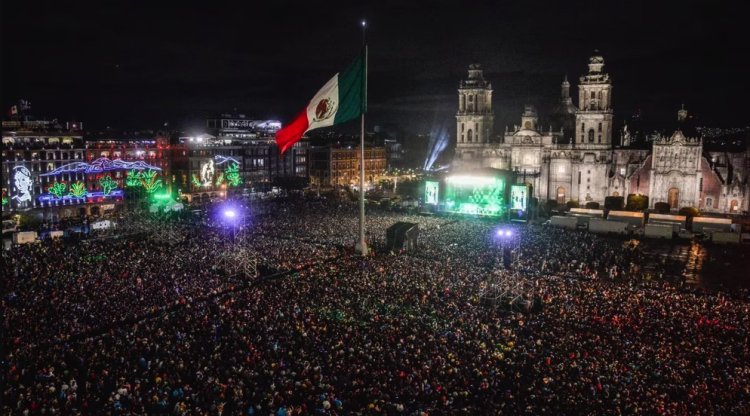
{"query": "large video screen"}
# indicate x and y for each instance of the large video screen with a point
(475, 195)
(431, 189)
(22, 190)
(519, 197)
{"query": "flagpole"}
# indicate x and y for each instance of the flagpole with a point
(362, 246)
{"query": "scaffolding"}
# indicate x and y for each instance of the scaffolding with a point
(507, 287)
(239, 261)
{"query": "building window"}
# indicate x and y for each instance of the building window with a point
(593, 95)
(709, 202)
(591, 136)
(462, 127)
(469, 136)
(600, 127)
(600, 139)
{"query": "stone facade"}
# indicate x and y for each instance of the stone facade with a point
(577, 159)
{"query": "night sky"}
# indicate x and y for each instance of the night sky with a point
(138, 64)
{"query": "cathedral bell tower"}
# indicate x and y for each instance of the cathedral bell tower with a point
(474, 120)
(594, 115)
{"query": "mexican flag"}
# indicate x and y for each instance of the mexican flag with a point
(342, 98)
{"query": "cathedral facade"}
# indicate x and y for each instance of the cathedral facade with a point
(576, 158)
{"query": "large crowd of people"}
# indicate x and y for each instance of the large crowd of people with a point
(149, 324)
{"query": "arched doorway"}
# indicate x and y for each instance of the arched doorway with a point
(561, 195)
(673, 198)
(734, 206)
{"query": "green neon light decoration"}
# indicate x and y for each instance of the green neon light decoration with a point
(475, 195)
(149, 181)
(162, 196)
(133, 180)
(107, 184)
(196, 182)
(233, 174)
(5, 198)
(78, 189)
(219, 178)
(58, 189)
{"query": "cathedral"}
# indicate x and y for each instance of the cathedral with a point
(576, 159)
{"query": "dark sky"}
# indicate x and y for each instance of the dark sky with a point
(134, 64)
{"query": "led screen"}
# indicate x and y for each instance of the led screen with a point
(475, 195)
(21, 187)
(431, 190)
(519, 197)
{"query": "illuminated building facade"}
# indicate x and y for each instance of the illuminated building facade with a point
(239, 127)
(32, 151)
(576, 159)
(339, 165)
(199, 165)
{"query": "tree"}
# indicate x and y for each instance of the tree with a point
(592, 205)
(637, 202)
(58, 189)
(662, 207)
(690, 211)
(107, 184)
(615, 203)
(78, 189)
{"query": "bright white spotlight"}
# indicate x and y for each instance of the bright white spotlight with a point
(508, 233)
(364, 23)
(230, 213)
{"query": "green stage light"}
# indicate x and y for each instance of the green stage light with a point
(475, 195)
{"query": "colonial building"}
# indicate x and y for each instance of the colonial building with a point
(338, 165)
(576, 158)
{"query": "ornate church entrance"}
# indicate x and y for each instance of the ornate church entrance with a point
(673, 197)
(561, 195)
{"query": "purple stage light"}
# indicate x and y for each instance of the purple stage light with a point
(504, 233)
(230, 213)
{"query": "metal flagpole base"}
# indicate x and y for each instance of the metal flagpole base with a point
(362, 248)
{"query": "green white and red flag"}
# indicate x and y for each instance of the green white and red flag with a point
(342, 98)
